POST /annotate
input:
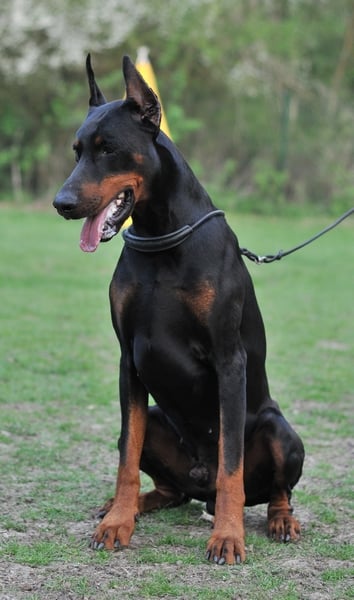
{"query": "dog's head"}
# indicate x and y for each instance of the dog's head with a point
(116, 158)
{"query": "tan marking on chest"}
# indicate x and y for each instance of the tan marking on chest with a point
(200, 300)
(120, 298)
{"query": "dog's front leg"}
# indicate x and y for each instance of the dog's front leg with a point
(117, 527)
(227, 544)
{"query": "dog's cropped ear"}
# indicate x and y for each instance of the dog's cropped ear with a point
(143, 96)
(96, 96)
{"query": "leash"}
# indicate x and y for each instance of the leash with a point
(175, 238)
(168, 241)
(269, 258)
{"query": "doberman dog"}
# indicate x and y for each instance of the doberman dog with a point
(191, 334)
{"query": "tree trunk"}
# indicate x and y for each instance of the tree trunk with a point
(342, 64)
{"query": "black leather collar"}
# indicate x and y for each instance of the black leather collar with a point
(165, 242)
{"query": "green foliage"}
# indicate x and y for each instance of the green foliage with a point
(180, 124)
(266, 87)
(269, 194)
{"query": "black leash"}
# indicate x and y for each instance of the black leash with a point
(175, 238)
(269, 258)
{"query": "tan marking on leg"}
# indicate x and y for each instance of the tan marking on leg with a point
(118, 525)
(282, 526)
(227, 543)
(160, 497)
(277, 454)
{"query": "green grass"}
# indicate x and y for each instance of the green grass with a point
(59, 421)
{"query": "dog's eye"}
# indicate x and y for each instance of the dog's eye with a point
(101, 147)
(105, 149)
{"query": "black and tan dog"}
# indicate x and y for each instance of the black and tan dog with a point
(190, 331)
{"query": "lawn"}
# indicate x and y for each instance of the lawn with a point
(59, 421)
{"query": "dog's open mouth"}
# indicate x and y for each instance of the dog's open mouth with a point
(105, 225)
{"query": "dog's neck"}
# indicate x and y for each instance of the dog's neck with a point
(176, 197)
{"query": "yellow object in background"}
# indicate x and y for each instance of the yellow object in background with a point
(144, 67)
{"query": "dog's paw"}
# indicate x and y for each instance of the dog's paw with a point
(102, 511)
(224, 548)
(284, 528)
(113, 533)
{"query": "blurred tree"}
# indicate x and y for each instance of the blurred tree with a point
(258, 93)
(46, 32)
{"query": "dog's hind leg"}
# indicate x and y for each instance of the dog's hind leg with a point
(172, 464)
(273, 464)
(165, 460)
(288, 456)
(169, 461)
(163, 496)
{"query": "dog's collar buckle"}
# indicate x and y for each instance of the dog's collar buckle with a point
(165, 242)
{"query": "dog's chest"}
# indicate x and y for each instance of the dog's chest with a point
(173, 367)
(166, 326)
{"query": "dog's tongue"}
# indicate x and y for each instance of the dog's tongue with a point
(91, 232)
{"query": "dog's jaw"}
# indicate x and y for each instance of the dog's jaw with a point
(106, 224)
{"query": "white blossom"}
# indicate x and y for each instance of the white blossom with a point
(56, 32)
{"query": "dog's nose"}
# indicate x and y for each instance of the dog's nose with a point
(65, 202)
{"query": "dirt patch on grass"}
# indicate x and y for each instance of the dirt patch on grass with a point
(315, 568)
(54, 480)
